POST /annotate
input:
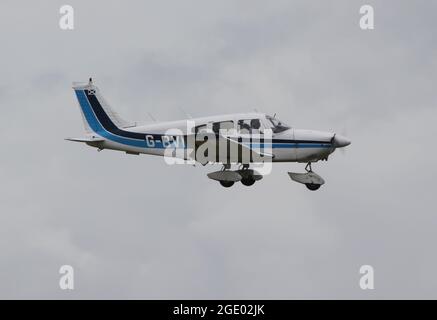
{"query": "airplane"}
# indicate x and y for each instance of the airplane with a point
(242, 139)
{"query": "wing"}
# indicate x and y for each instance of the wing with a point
(210, 147)
(251, 148)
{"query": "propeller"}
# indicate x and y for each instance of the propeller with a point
(339, 141)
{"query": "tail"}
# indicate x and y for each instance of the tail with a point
(101, 122)
(95, 110)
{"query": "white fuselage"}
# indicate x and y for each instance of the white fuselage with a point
(290, 145)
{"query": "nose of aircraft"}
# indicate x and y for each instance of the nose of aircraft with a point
(340, 141)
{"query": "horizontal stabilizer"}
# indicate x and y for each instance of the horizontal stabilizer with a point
(86, 139)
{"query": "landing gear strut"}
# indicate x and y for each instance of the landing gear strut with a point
(226, 166)
(311, 186)
(308, 167)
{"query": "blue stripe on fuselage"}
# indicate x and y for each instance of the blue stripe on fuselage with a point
(290, 145)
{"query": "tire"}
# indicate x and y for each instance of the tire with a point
(227, 184)
(313, 186)
(248, 181)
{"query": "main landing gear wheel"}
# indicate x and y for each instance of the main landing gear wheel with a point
(248, 176)
(248, 181)
(226, 184)
(227, 177)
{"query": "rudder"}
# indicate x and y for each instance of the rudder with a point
(90, 120)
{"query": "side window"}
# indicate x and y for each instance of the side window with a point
(247, 126)
(223, 125)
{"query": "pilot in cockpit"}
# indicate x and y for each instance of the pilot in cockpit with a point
(255, 124)
(249, 126)
(243, 126)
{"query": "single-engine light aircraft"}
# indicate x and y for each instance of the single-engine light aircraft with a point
(245, 139)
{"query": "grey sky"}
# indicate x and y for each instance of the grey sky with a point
(133, 227)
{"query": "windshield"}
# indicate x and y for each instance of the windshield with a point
(276, 125)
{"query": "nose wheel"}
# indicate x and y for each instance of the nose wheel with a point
(313, 186)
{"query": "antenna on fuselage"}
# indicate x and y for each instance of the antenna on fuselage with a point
(185, 113)
(151, 117)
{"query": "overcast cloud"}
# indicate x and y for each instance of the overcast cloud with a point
(134, 227)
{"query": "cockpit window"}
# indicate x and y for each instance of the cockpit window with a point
(246, 126)
(223, 125)
(276, 125)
